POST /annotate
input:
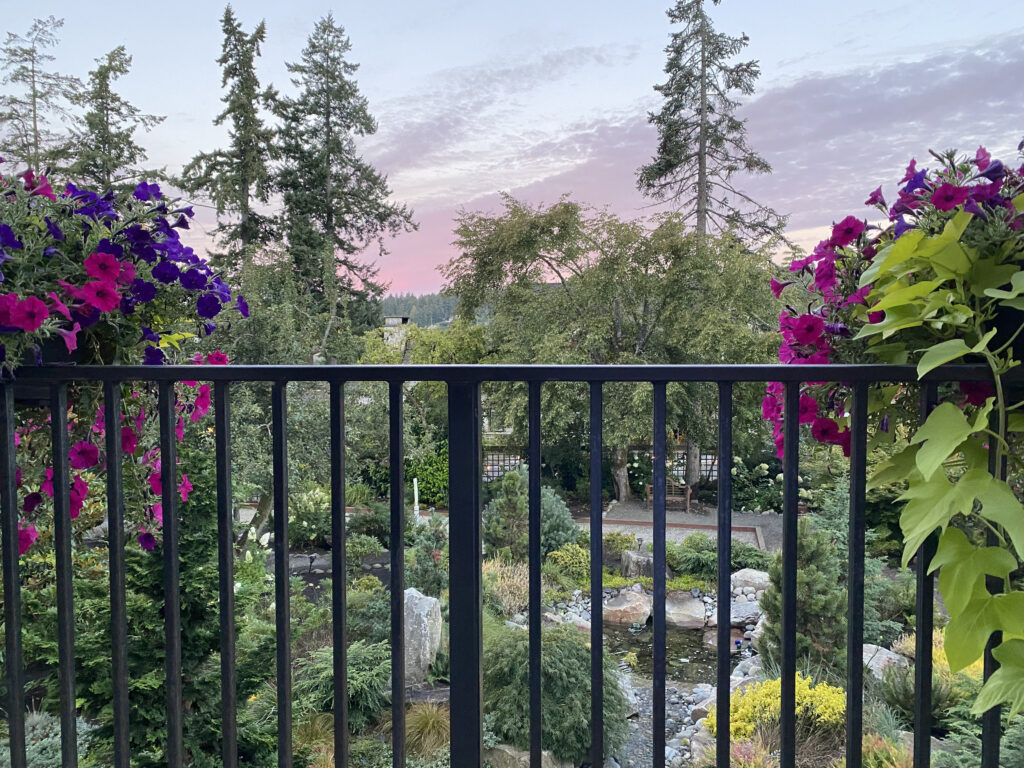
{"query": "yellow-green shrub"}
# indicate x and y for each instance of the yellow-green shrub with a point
(820, 708)
(881, 753)
(574, 561)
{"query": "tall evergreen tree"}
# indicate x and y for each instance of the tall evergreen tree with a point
(105, 149)
(239, 177)
(35, 99)
(702, 145)
(335, 203)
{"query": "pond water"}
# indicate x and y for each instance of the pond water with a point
(688, 658)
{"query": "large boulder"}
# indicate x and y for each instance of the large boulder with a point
(506, 756)
(628, 608)
(741, 614)
(684, 610)
(750, 577)
(636, 564)
(422, 634)
(877, 658)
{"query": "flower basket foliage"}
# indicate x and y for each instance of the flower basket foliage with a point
(938, 279)
(101, 279)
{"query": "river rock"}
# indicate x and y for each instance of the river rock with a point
(876, 659)
(422, 634)
(628, 608)
(752, 578)
(635, 564)
(684, 610)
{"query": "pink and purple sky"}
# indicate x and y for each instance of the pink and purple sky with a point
(538, 99)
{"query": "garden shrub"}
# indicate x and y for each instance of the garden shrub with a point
(820, 600)
(369, 615)
(358, 495)
(616, 542)
(431, 471)
(42, 741)
(897, 689)
(878, 752)
(506, 518)
(697, 555)
(358, 547)
(506, 587)
(309, 519)
(377, 523)
(365, 584)
(565, 687)
(574, 562)
(369, 689)
(962, 745)
(427, 728)
(820, 709)
(426, 565)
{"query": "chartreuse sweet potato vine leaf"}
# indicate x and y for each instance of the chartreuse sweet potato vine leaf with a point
(932, 504)
(944, 430)
(946, 351)
(964, 566)
(1016, 288)
(967, 633)
(1007, 683)
(897, 467)
(999, 505)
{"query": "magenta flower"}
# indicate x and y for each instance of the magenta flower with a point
(84, 455)
(32, 501)
(216, 358)
(179, 429)
(911, 170)
(858, 297)
(976, 392)
(808, 409)
(27, 535)
(102, 295)
(58, 305)
(7, 302)
(875, 198)
(949, 196)
(771, 408)
(155, 484)
(29, 314)
(777, 287)
(982, 158)
(76, 499)
(70, 336)
(983, 193)
(807, 329)
(129, 440)
(127, 274)
(184, 487)
(47, 486)
(103, 266)
(825, 276)
(846, 231)
(824, 430)
(202, 404)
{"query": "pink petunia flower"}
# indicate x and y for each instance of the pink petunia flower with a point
(778, 288)
(103, 266)
(70, 336)
(179, 429)
(910, 172)
(155, 483)
(76, 499)
(976, 392)
(47, 486)
(824, 430)
(948, 196)
(27, 535)
(771, 408)
(982, 158)
(843, 441)
(875, 198)
(127, 273)
(58, 305)
(184, 487)
(29, 314)
(808, 409)
(84, 455)
(202, 404)
(7, 302)
(129, 440)
(807, 329)
(217, 358)
(846, 231)
(102, 295)
(825, 279)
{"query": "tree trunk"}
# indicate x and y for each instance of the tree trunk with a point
(620, 474)
(692, 463)
(264, 508)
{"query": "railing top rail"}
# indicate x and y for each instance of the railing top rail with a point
(503, 372)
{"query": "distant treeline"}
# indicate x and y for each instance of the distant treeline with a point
(429, 309)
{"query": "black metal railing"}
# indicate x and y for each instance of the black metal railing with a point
(465, 461)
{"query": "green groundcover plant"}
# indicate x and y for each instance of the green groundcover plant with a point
(939, 281)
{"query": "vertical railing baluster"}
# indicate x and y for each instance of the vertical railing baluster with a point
(790, 469)
(397, 546)
(991, 720)
(466, 596)
(226, 574)
(855, 579)
(282, 573)
(534, 563)
(659, 522)
(115, 553)
(596, 588)
(924, 626)
(172, 591)
(339, 570)
(14, 668)
(65, 590)
(724, 640)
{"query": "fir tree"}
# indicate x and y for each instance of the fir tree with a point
(820, 600)
(702, 145)
(105, 150)
(238, 177)
(35, 99)
(336, 204)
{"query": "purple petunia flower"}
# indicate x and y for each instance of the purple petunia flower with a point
(900, 228)
(243, 305)
(994, 172)
(208, 306)
(148, 334)
(153, 356)
(917, 181)
(53, 229)
(147, 541)
(166, 272)
(972, 207)
(193, 279)
(143, 291)
(146, 192)
(8, 239)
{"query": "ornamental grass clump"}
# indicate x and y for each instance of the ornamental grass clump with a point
(940, 280)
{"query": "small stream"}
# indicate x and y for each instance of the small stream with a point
(688, 658)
